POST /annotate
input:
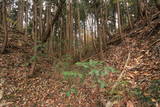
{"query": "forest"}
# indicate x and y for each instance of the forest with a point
(79, 53)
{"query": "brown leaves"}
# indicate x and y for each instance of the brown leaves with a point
(130, 104)
(49, 88)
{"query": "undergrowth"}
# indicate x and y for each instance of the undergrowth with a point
(76, 74)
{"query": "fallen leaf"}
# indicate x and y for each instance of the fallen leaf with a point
(109, 104)
(130, 104)
(1, 94)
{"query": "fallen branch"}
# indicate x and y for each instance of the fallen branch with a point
(109, 103)
(154, 43)
(5, 104)
(122, 73)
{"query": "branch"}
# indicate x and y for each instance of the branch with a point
(122, 73)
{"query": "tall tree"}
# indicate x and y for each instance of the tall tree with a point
(35, 33)
(4, 12)
(20, 18)
(119, 17)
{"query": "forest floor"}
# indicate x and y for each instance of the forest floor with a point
(49, 88)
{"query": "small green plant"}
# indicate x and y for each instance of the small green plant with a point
(70, 74)
(142, 96)
(110, 69)
(89, 64)
(40, 47)
(150, 95)
(71, 91)
(119, 92)
(26, 64)
(101, 83)
(153, 92)
(63, 64)
(97, 70)
(29, 62)
(33, 58)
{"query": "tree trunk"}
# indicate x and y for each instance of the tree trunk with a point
(4, 45)
(26, 18)
(35, 25)
(20, 15)
(119, 17)
(79, 30)
(84, 33)
(99, 31)
(40, 20)
(47, 32)
(129, 16)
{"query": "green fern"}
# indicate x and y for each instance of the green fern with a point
(72, 74)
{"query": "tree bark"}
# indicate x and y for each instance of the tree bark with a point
(119, 17)
(35, 25)
(20, 15)
(4, 45)
(129, 16)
